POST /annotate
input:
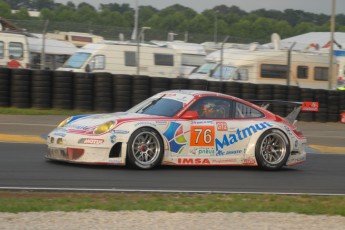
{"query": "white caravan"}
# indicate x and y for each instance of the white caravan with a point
(192, 54)
(15, 45)
(121, 58)
(267, 66)
(27, 50)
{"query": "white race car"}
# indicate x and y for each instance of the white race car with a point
(181, 127)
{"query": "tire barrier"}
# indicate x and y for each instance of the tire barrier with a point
(215, 86)
(159, 84)
(307, 95)
(232, 88)
(321, 96)
(83, 94)
(62, 90)
(248, 91)
(140, 89)
(41, 89)
(20, 88)
(105, 92)
(333, 106)
(179, 83)
(5, 87)
(197, 84)
(122, 92)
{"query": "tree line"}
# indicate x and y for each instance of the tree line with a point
(215, 23)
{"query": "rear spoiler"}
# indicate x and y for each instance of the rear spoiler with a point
(298, 106)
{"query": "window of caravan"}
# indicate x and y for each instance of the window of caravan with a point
(231, 72)
(77, 60)
(206, 68)
(164, 59)
(192, 59)
(302, 72)
(98, 62)
(273, 71)
(130, 59)
(1, 49)
(321, 73)
(16, 49)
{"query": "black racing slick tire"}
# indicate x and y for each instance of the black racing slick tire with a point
(145, 149)
(272, 150)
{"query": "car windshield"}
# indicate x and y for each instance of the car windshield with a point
(76, 60)
(158, 106)
(206, 68)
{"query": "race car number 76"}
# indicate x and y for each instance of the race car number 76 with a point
(202, 136)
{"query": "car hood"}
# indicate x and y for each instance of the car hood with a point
(88, 122)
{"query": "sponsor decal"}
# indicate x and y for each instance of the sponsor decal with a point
(202, 136)
(223, 153)
(192, 161)
(115, 131)
(91, 141)
(113, 138)
(176, 137)
(210, 122)
(145, 123)
(161, 122)
(310, 106)
(206, 151)
(59, 134)
(224, 161)
(222, 126)
(249, 162)
(241, 134)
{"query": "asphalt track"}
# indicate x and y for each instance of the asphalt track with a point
(23, 166)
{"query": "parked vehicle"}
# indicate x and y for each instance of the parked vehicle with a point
(27, 50)
(267, 66)
(119, 57)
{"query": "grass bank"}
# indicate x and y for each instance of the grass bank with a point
(50, 201)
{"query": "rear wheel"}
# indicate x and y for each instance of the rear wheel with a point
(272, 150)
(145, 149)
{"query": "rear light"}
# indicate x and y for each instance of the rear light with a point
(74, 154)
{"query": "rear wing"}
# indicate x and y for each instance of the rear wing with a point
(306, 106)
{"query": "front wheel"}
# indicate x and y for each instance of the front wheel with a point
(145, 149)
(272, 150)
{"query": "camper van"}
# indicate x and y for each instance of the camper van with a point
(27, 50)
(120, 58)
(15, 45)
(267, 66)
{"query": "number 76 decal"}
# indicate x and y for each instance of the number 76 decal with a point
(202, 136)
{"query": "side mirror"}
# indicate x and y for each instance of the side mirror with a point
(190, 115)
(87, 68)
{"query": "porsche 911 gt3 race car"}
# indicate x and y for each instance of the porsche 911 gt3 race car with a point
(181, 127)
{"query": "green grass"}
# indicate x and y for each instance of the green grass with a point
(39, 201)
(32, 111)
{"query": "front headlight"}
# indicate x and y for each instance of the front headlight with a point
(64, 122)
(105, 127)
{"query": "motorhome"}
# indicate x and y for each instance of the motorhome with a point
(120, 57)
(15, 45)
(192, 54)
(267, 66)
(27, 49)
